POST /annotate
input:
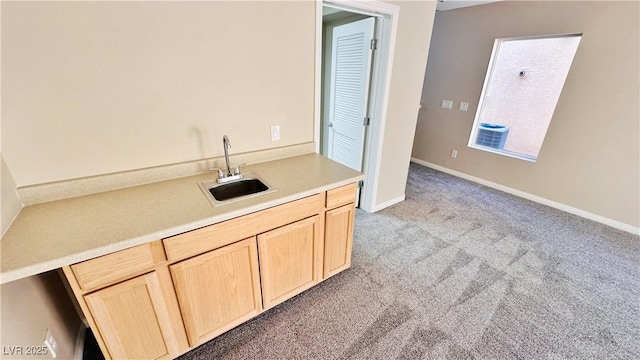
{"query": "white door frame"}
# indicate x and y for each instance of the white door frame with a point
(380, 85)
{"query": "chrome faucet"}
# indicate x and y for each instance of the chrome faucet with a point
(228, 175)
(226, 144)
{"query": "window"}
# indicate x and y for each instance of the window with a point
(520, 93)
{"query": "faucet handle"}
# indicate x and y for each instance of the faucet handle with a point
(238, 168)
(220, 172)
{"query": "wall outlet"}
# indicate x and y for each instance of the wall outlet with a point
(51, 343)
(464, 106)
(275, 132)
(454, 153)
(447, 104)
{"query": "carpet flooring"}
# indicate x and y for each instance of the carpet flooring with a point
(460, 271)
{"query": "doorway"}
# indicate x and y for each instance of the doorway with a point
(351, 97)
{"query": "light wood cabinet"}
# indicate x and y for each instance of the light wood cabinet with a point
(218, 290)
(341, 196)
(211, 237)
(161, 299)
(117, 266)
(127, 319)
(338, 239)
(128, 300)
(290, 260)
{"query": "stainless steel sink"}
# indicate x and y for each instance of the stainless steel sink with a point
(223, 193)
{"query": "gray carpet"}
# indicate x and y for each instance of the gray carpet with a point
(460, 271)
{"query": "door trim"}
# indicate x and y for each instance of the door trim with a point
(381, 84)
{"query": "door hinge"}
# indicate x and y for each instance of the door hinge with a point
(360, 183)
(374, 44)
(366, 121)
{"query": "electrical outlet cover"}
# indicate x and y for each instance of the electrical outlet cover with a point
(51, 343)
(275, 132)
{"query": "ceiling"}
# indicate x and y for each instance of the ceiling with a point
(456, 4)
(441, 6)
(330, 14)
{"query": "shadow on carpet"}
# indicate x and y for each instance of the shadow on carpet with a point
(460, 271)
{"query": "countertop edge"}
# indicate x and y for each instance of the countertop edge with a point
(30, 270)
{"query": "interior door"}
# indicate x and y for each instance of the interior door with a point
(351, 57)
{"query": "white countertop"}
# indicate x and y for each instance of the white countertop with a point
(50, 235)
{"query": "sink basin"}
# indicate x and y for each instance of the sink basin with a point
(249, 186)
(237, 188)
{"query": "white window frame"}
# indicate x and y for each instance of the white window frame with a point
(490, 69)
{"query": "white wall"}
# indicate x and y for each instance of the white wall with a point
(412, 47)
(10, 204)
(105, 87)
(92, 88)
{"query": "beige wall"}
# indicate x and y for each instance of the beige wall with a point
(100, 87)
(590, 158)
(32, 305)
(92, 88)
(10, 204)
(412, 47)
(109, 87)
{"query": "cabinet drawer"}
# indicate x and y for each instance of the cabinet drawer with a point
(107, 269)
(341, 196)
(218, 235)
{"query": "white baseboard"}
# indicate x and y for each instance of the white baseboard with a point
(566, 208)
(386, 204)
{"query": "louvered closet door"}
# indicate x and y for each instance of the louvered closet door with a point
(350, 74)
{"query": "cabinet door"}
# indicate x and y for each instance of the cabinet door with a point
(218, 290)
(338, 239)
(127, 319)
(290, 259)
